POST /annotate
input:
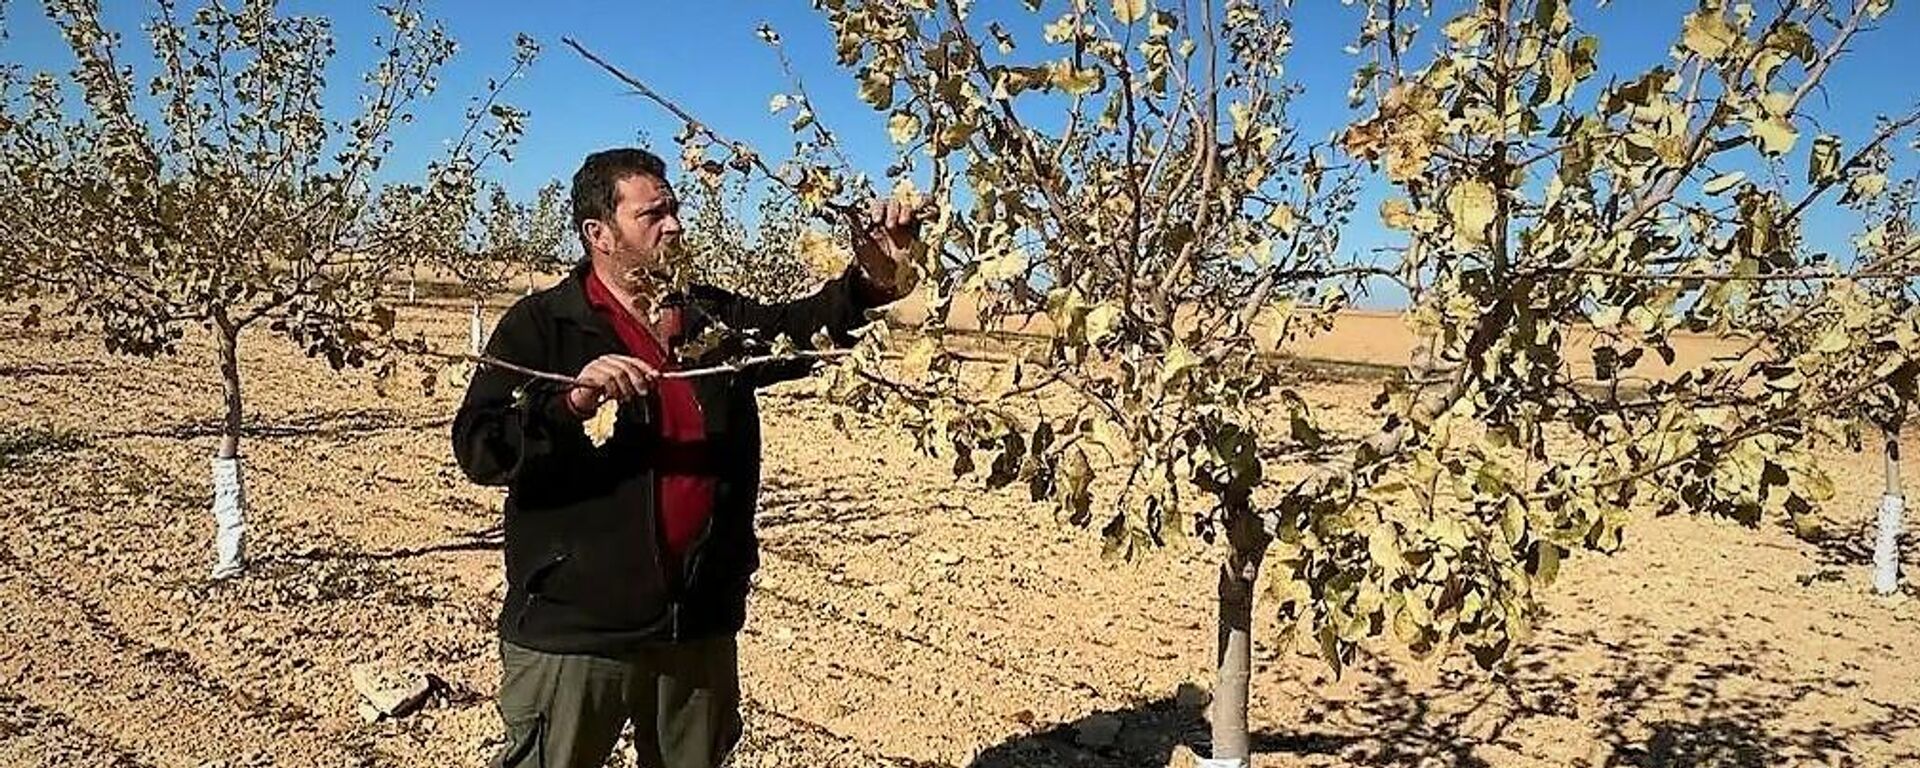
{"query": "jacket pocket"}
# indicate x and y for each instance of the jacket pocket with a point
(611, 580)
(536, 589)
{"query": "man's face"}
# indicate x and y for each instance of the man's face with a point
(645, 229)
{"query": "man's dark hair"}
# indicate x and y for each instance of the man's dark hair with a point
(593, 184)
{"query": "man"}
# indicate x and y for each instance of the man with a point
(627, 564)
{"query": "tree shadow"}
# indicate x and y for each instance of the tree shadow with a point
(51, 368)
(489, 539)
(329, 424)
(1145, 734)
(1691, 698)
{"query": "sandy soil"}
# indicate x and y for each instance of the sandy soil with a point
(900, 620)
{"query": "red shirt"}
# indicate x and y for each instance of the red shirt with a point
(684, 496)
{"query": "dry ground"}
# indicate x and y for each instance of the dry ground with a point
(899, 620)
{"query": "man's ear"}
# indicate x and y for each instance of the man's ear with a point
(596, 235)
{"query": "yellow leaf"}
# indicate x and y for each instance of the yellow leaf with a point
(1242, 118)
(1102, 321)
(1384, 547)
(1775, 135)
(1179, 360)
(1110, 437)
(1777, 103)
(1078, 82)
(1274, 322)
(902, 127)
(1866, 186)
(1396, 214)
(918, 359)
(599, 428)
(1708, 33)
(1283, 219)
(1130, 11)
(1724, 182)
(876, 89)
(904, 190)
(822, 255)
(1471, 204)
(1717, 417)
(1462, 30)
(1007, 266)
(1833, 339)
(955, 135)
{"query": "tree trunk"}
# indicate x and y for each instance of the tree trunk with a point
(413, 284)
(476, 331)
(229, 489)
(529, 283)
(1886, 544)
(1232, 744)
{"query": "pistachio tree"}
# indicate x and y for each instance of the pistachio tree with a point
(215, 192)
(757, 255)
(1133, 182)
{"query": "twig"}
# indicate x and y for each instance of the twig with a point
(1890, 274)
(1750, 432)
(734, 366)
(831, 206)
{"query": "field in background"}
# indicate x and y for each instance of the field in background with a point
(900, 620)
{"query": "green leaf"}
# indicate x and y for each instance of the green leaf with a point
(876, 89)
(1823, 162)
(1546, 562)
(1513, 523)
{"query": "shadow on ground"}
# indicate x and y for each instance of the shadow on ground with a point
(1693, 698)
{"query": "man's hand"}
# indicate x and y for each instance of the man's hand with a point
(885, 241)
(610, 377)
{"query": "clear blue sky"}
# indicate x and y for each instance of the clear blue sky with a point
(705, 55)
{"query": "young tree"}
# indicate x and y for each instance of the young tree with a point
(1134, 179)
(484, 237)
(231, 200)
(1872, 310)
(762, 258)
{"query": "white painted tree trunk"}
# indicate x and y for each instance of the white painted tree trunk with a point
(1232, 741)
(1886, 542)
(229, 518)
(229, 488)
(476, 330)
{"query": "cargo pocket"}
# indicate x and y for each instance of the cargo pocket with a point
(525, 682)
(525, 747)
